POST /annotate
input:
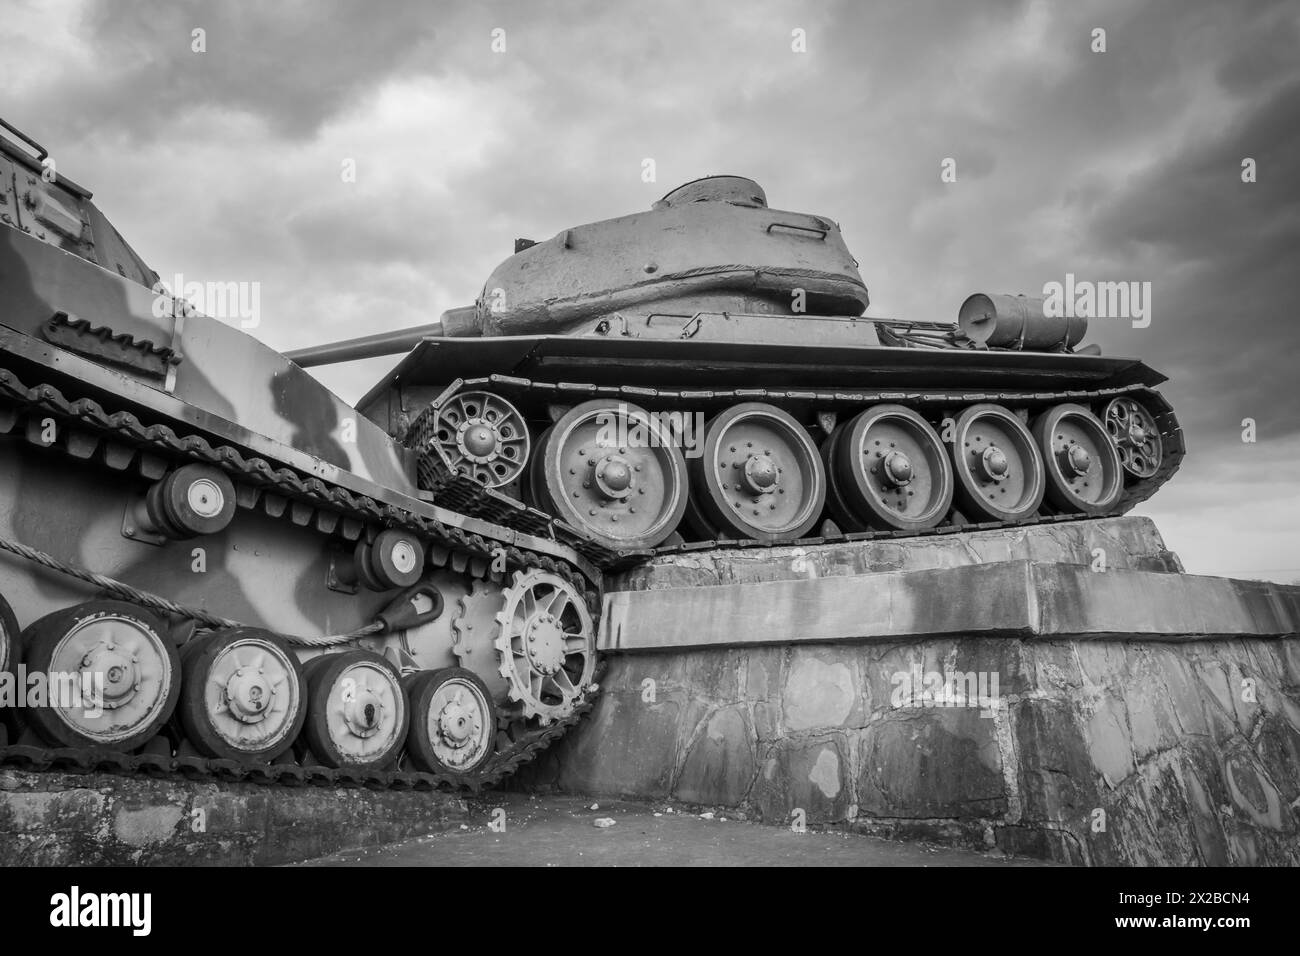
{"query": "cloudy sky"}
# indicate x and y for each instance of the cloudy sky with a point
(1122, 165)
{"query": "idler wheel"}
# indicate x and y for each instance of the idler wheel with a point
(482, 435)
(760, 475)
(887, 469)
(356, 710)
(192, 500)
(1084, 473)
(453, 720)
(998, 470)
(243, 695)
(113, 675)
(1135, 435)
(609, 469)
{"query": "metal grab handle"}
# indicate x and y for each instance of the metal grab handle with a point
(820, 233)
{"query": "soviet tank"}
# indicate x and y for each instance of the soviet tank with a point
(210, 565)
(703, 373)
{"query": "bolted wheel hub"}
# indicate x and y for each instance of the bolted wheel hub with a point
(545, 644)
(478, 441)
(248, 694)
(458, 725)
(1076, 458)
(898, 469)
(121, 675)
(614, 477)
(761, 473)
(993, 462)
(364, 713)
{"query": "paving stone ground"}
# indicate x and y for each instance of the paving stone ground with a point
(562, 831)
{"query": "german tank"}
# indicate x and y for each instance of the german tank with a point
(703, 372)
(211, 565)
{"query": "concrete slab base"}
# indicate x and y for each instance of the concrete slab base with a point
(1160, 727)
(57, 819)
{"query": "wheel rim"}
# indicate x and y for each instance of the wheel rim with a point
(891, 471)
(760, 475)
(546, 645)
(251, 694)
(484, 436)
(1083, 465)
(996, 463)
(609, 469)
(364, 712)
(205, 498)
(1136, 437)
(122, 671)
(458, 723)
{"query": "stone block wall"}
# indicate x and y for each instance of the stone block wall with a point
(1097, 752)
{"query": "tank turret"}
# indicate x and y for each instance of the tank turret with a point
(712, 245)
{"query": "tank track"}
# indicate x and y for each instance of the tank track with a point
(470, 497)
(121, 441)
(99, 760)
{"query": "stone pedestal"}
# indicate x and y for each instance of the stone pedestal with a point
(994, 688)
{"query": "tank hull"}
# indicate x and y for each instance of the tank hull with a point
(240, 565)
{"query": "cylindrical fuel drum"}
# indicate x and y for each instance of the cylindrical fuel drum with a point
(1017, 322)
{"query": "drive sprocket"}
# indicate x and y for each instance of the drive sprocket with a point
(546, 645)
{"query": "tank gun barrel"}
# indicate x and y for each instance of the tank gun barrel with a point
(454, 323)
